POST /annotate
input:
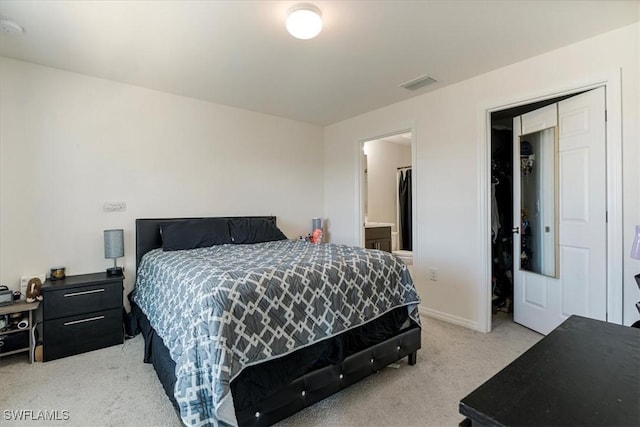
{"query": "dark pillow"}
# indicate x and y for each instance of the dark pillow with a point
(196, 233)
(254, 230)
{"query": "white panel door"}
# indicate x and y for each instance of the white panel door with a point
(542, 302)
(583, 204)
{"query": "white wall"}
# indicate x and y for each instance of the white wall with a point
(383, 160)
(449, 126)
(70, 142)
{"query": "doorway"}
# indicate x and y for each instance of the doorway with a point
(387, 194)
(550, 276)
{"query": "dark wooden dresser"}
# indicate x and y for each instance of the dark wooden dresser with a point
(584, 373)
(81, 313)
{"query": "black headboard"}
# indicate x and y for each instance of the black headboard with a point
(148, 232)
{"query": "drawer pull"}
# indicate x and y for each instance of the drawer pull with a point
(75, 294)
(90, 319)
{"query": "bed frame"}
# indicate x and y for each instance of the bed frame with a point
(303, 391)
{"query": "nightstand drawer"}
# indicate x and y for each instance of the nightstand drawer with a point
(82, 299)
(77, 334)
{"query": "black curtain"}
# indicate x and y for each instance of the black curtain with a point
(404, 193)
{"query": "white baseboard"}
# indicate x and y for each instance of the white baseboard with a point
(449, 318)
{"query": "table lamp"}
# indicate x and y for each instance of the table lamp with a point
(114, 248)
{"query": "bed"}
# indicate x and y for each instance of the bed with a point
(249, 332)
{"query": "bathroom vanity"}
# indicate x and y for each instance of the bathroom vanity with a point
(377, 235)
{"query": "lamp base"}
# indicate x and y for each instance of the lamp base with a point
(114, 271)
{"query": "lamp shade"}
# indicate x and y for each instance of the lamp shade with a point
(635, 247)
(113, 243)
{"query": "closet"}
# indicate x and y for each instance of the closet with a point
(502, 205)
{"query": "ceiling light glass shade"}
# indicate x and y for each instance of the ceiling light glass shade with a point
(304, 21)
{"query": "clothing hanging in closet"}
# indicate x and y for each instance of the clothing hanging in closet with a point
(404, 194)
(502, 239)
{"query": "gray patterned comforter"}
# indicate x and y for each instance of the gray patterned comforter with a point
(223, 308)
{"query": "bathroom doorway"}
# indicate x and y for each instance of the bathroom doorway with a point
(387, 195)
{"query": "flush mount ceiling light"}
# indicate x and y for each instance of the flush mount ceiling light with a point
(304, 21)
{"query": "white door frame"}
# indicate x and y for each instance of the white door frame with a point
(613, 102)
(360, 181)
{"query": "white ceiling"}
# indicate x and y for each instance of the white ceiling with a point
(238, 53)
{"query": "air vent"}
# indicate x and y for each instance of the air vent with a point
(418, 83)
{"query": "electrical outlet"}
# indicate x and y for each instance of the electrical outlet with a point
(433, 274)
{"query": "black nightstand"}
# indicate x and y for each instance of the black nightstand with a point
(81, 313)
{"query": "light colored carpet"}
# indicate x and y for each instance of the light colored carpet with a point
(112, 387)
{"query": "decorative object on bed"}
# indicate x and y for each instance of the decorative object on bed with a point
(316, 226)
(114, 248)
(223, 312)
